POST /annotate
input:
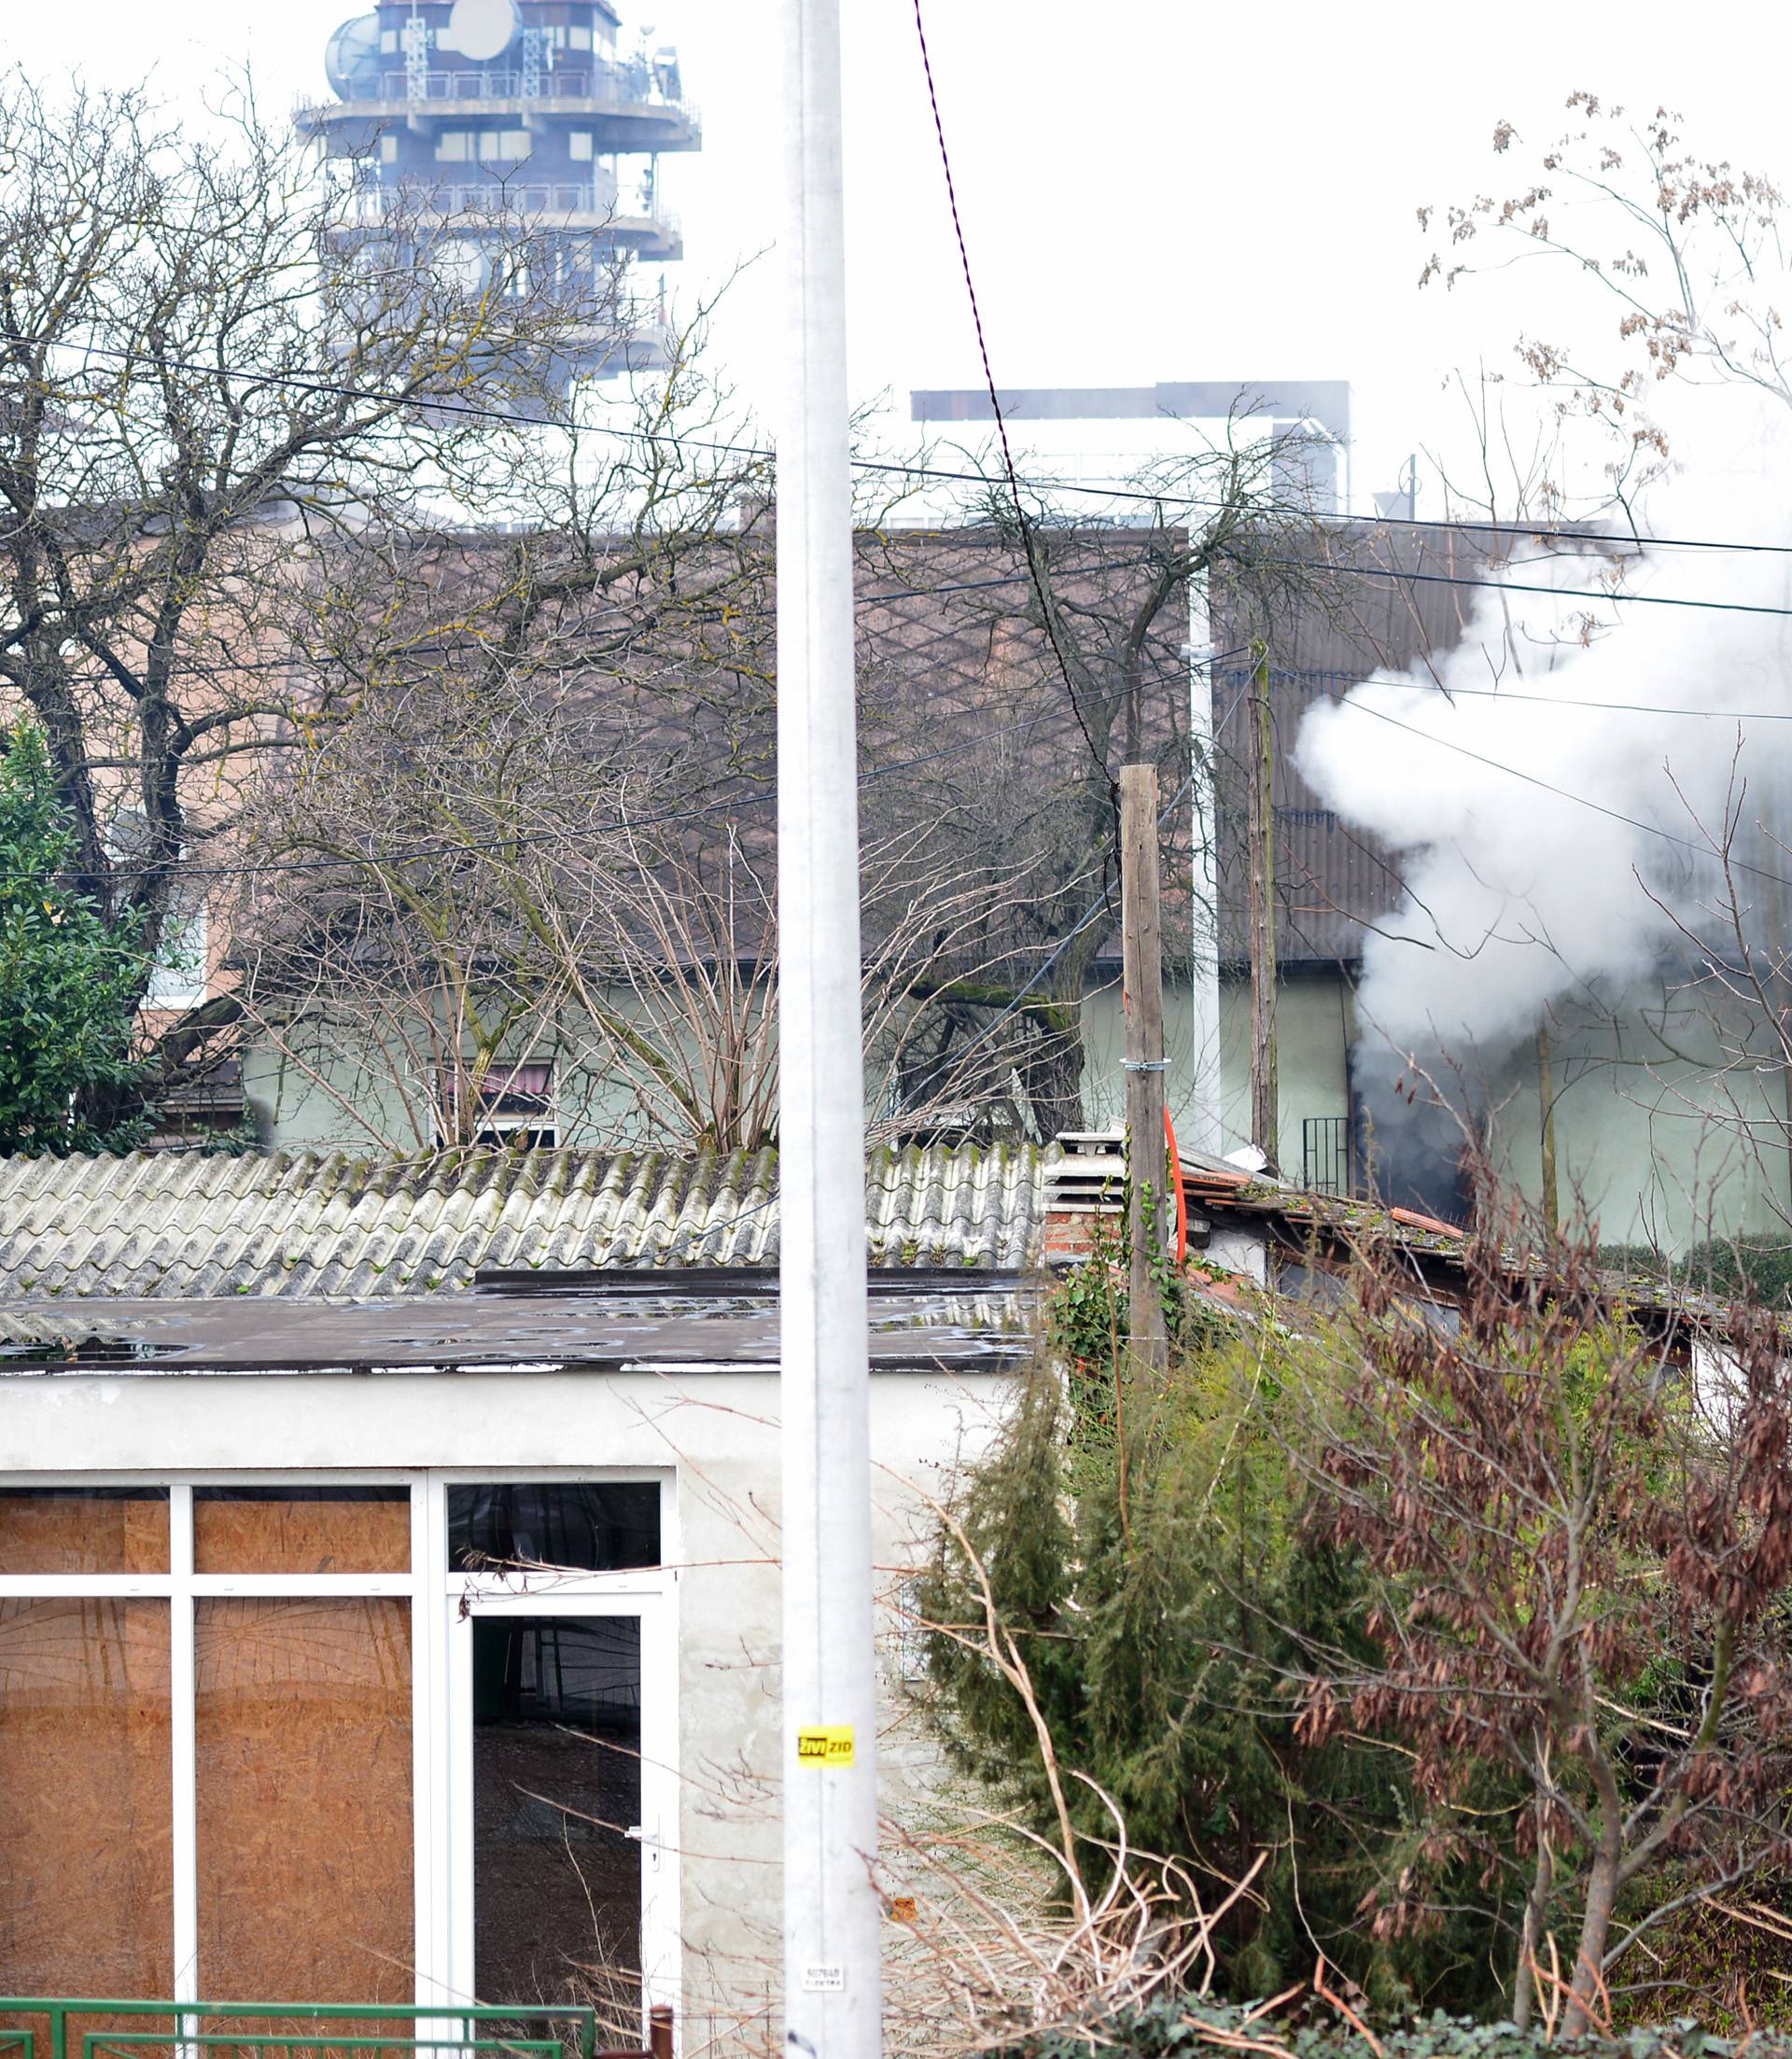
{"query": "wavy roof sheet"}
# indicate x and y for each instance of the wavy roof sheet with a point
(178, 1223)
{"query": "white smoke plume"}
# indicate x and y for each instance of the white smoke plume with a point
(1540, 784)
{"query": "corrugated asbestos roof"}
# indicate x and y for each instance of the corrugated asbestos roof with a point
(161, 1224)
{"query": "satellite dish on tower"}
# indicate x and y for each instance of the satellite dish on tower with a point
(351, 58)
(479, 29)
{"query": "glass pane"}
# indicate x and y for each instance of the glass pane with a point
(556, 1788)
(591, 1526)
(85, 1798)
(303, 1711)
(84, 1530)
(302, 1529)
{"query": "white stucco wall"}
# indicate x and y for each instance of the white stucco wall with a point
(714, 1433)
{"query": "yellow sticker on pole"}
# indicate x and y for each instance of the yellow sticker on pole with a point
(827, 1744)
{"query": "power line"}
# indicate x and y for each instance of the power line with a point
(1322, 567)
(1621, 707)
(312, 662)
(1568, 533)
(1558, 700)
(1565, 794)
(1002, 425)
(736, 803)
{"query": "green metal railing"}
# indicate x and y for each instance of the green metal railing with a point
(105, 2044)
(476, 2031)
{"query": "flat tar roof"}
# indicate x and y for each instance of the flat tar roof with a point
(621, 1323)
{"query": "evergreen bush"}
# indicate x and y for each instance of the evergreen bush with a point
(69, 981)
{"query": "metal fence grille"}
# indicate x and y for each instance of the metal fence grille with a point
(1325, 1153)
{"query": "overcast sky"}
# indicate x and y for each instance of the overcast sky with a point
(1151, 190)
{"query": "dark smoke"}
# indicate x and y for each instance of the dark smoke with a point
(1414, 1141)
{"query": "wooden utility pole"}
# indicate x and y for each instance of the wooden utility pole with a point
(1266, 1098)
(1142, 959)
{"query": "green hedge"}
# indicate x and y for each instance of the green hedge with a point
(1757, 1266)
(1176, 2030)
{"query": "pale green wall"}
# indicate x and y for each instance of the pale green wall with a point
(296, 1105)
(329, 1094)
(300, 1104)
(1650, 1148)
(1649, 1151)
(1312, 1026)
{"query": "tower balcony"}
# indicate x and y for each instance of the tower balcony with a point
(596, 209)
(624, 100)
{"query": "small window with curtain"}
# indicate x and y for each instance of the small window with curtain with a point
(514, 1106)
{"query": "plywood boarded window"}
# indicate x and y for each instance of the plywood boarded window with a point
(304, 1786)
(86, 1801)
(302, 1529)
(83, 1530)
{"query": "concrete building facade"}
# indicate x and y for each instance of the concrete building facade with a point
(472, 117)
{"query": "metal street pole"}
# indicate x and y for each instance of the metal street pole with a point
(1266, 1091)
(833, 1987)
(1200, 1121)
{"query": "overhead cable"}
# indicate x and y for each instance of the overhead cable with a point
(1046, 609)
(1566, 533)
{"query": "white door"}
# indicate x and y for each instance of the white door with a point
(564, 1805)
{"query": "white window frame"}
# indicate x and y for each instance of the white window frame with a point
(181, 975)
(442, 1606)
(497, 1128)
(641, 1595)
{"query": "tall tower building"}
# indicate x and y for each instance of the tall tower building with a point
(529, 107)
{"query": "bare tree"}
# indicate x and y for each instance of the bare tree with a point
(1685, 251)
(223, 384)
(1581, 1556)
(472, 886)
(1056, 642)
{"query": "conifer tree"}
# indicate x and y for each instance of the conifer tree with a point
(68, 982)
